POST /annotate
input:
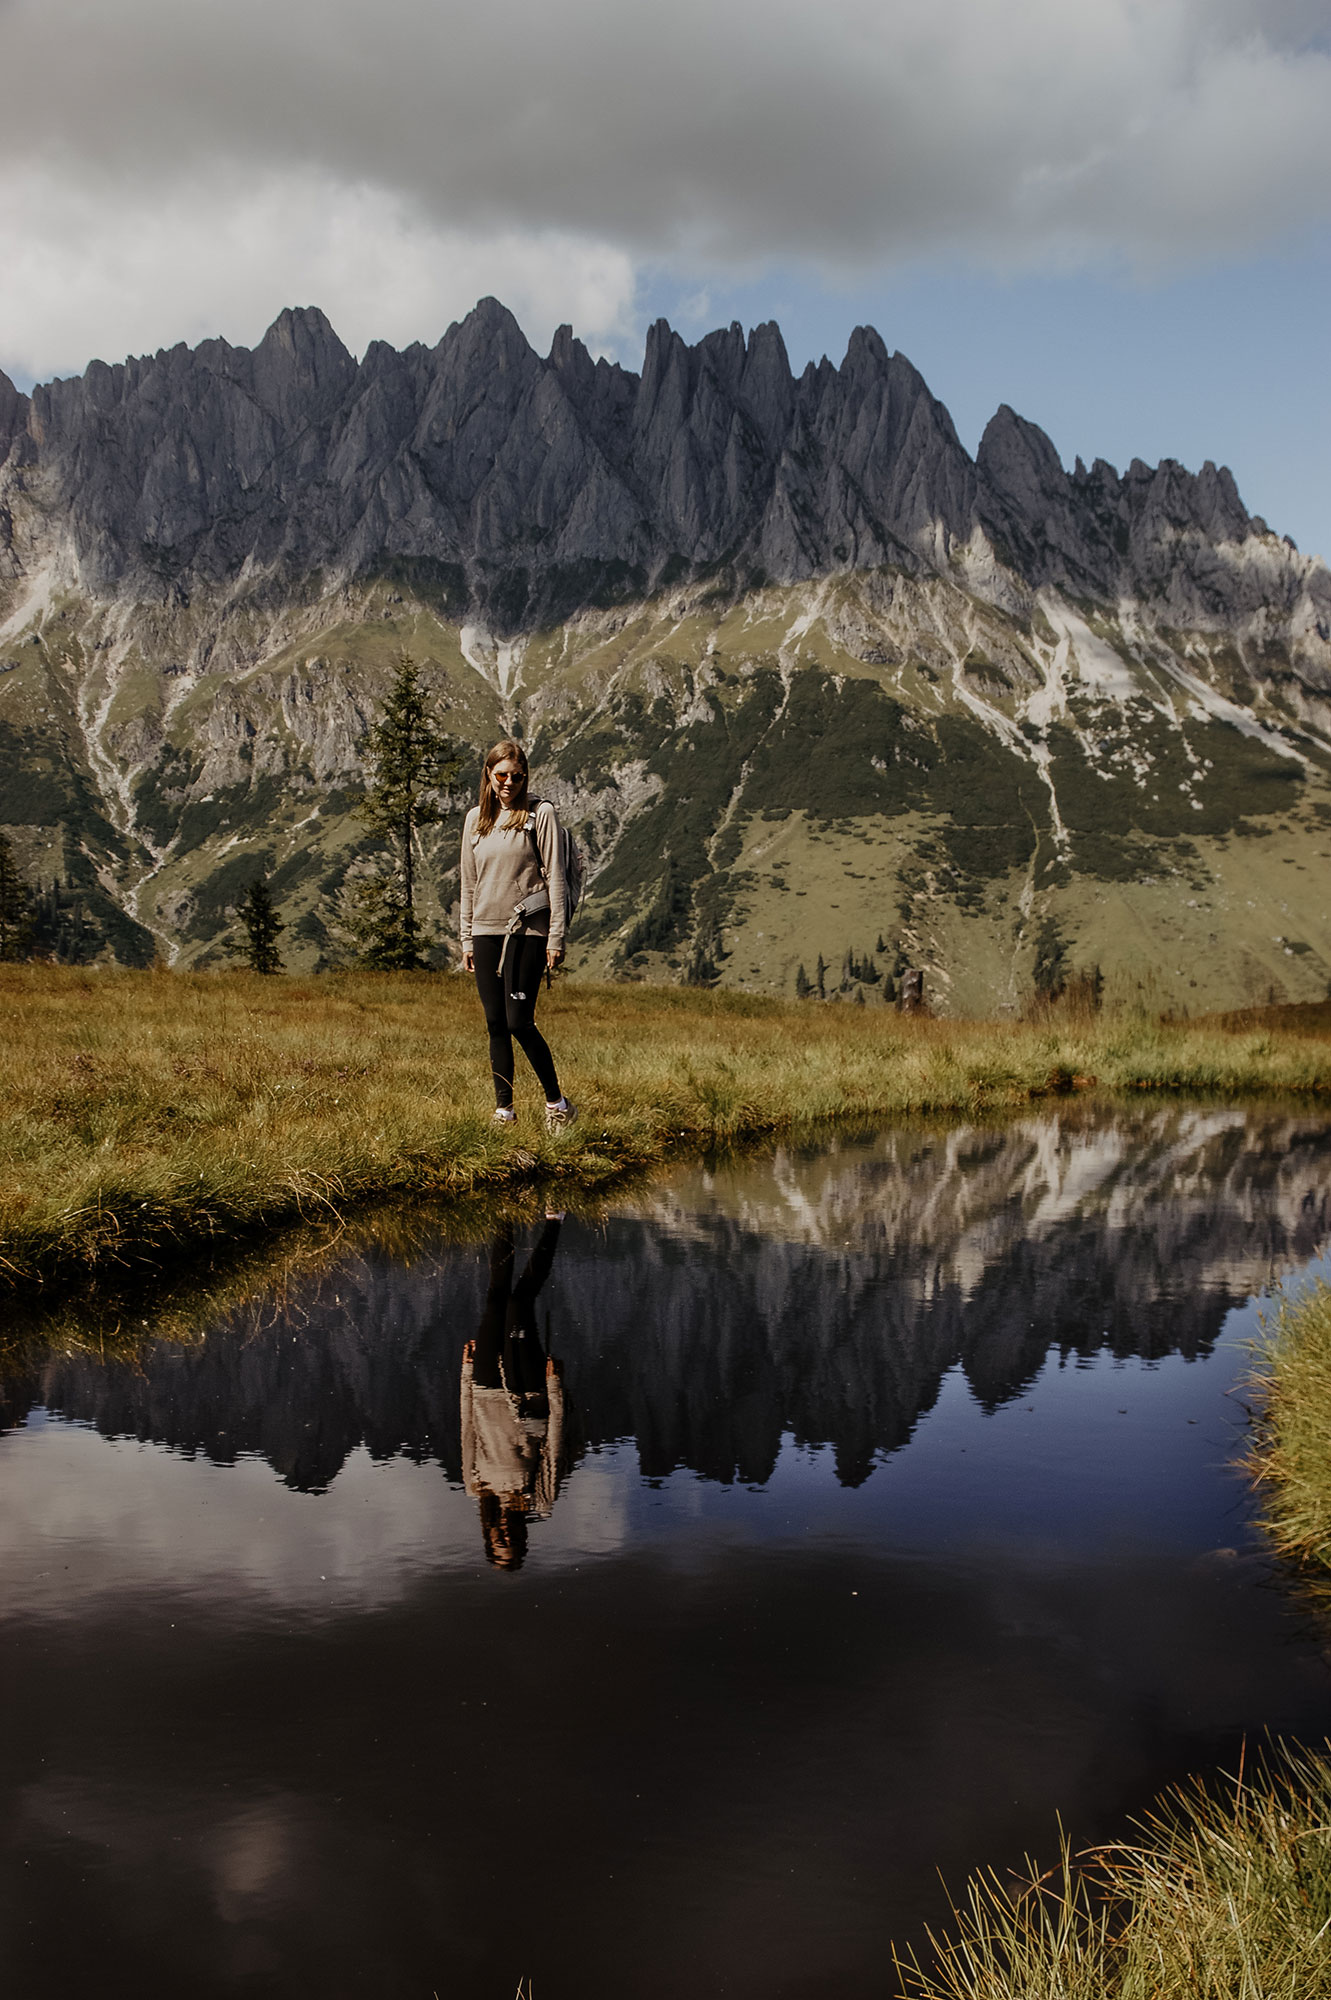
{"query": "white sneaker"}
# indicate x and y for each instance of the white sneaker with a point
(505, 1115)
(559, 1115)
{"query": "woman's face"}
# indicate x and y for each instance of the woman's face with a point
(506, 779)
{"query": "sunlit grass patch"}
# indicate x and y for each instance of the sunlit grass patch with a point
(1227, 1896)
(1291, 1453)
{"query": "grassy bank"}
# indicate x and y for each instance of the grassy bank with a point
(1291, 1454)
(1226, 1897)
(150, 1114)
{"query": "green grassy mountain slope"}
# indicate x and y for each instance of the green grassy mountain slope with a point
(881, 767)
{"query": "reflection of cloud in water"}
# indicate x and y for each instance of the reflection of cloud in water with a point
(230, 1538)
(592, 1515)
(234, 1540)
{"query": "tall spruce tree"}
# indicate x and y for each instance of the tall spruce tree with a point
(410, 762)
(15, 906)
(262, 927)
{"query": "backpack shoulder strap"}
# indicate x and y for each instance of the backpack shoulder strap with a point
(533, 809)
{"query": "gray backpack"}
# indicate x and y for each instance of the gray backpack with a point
(570, 856)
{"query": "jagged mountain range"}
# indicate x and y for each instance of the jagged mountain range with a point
(773, 639)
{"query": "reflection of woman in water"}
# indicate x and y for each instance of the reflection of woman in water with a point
(515, 1430)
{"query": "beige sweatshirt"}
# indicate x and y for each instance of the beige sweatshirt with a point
(503, 1452)
(500, 868)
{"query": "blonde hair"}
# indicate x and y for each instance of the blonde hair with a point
(489, 803)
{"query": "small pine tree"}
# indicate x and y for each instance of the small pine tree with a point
(803, 984)
(15, 906)
(57, 928)
(666, 918)
(820, 977)
(262, 927)
(1051, 961)
(370, 915)
(409, 760)
(702, 968)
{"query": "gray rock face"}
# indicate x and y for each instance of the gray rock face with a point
(531, 488)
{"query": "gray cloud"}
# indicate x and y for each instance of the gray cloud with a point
(745, 131)
(175, 168)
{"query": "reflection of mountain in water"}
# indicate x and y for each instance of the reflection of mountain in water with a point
(824, 1296)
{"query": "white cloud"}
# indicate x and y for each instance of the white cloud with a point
(87, 272)
(175, 166)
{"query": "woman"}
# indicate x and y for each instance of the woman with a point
(519, 1429)
(511, 858)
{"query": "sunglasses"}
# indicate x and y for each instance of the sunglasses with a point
(506, 777)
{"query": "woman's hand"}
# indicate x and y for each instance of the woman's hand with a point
(469, 961)
(554, 959)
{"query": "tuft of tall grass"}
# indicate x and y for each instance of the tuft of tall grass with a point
(1290, 1454)
(148, 1115)
(1226, 1897)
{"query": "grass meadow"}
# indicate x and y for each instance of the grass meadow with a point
(153, 1115)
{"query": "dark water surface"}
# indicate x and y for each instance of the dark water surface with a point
(885, 1507)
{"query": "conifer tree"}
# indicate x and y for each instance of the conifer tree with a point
(410, 761)
(15, 905)
(262, 926)
(820, 977)
(803, 984)
(57, 928)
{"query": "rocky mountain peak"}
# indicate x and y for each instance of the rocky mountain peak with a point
(197, 464)
(14, 408)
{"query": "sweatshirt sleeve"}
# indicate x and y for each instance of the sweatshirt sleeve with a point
(468, 1431)
(547, 841)
(551, 1468)
(468, 874)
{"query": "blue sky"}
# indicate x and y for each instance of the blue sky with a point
(1231, 362)
(1114, 215)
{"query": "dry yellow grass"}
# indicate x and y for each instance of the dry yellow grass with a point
(153, 1113)
(1228, 1897)
(1291, 1452)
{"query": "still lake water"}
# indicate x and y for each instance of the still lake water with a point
(885, 1507)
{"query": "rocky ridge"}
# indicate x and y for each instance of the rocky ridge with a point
(545, 485)
(1035, 692)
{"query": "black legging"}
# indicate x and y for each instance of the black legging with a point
(508, 1353)
(510, 1010)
